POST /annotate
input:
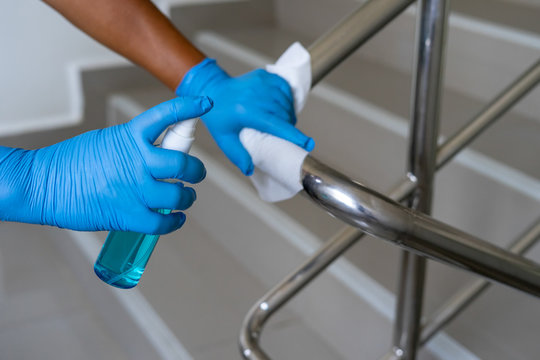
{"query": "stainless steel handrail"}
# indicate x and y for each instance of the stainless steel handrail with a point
(377, 215)
(457, 303)
(326, 53)
(333, 248)
(432, 18)
(426, 93)
(381, 217)
(464, 297)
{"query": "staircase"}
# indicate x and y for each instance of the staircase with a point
(202, 279)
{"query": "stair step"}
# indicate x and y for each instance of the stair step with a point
(521, 15)
(45, 310)
(483, 54)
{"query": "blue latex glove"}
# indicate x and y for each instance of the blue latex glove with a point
(258, 100)
(105, 179)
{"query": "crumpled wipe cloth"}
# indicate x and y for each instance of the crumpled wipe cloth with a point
(278, 163)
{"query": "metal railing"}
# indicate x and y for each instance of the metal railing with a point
(372, 213)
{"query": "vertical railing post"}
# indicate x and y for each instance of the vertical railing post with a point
(426, 93)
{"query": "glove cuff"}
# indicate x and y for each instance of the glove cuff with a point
(198, 77)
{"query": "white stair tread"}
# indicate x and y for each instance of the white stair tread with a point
(516, 14)
(44, 311)
(203, 294)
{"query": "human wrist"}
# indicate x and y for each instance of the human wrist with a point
(197, 80)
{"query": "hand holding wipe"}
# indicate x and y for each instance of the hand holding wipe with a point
(278, 163)
(258, 100)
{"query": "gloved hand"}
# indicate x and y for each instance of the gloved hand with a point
(258, 100)
(105, 179)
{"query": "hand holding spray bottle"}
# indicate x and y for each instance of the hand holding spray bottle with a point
(124, 255)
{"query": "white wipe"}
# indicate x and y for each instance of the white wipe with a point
(278, 163)
(294, 65)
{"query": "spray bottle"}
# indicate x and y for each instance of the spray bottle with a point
(124, 255)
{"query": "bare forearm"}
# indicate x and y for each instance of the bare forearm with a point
(137, 30)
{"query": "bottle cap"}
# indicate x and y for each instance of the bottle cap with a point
(180, 136)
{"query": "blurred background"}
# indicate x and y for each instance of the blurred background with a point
(56, 82)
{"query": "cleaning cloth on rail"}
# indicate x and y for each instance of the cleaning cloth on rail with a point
(278, 163)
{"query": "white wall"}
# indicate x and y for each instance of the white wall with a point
(37, 46)
(41, 53)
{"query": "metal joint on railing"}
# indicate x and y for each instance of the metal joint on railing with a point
(379, 216)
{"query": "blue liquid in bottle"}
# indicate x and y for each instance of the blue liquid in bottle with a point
(124, 256)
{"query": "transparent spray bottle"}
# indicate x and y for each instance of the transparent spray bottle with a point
(124, 255)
